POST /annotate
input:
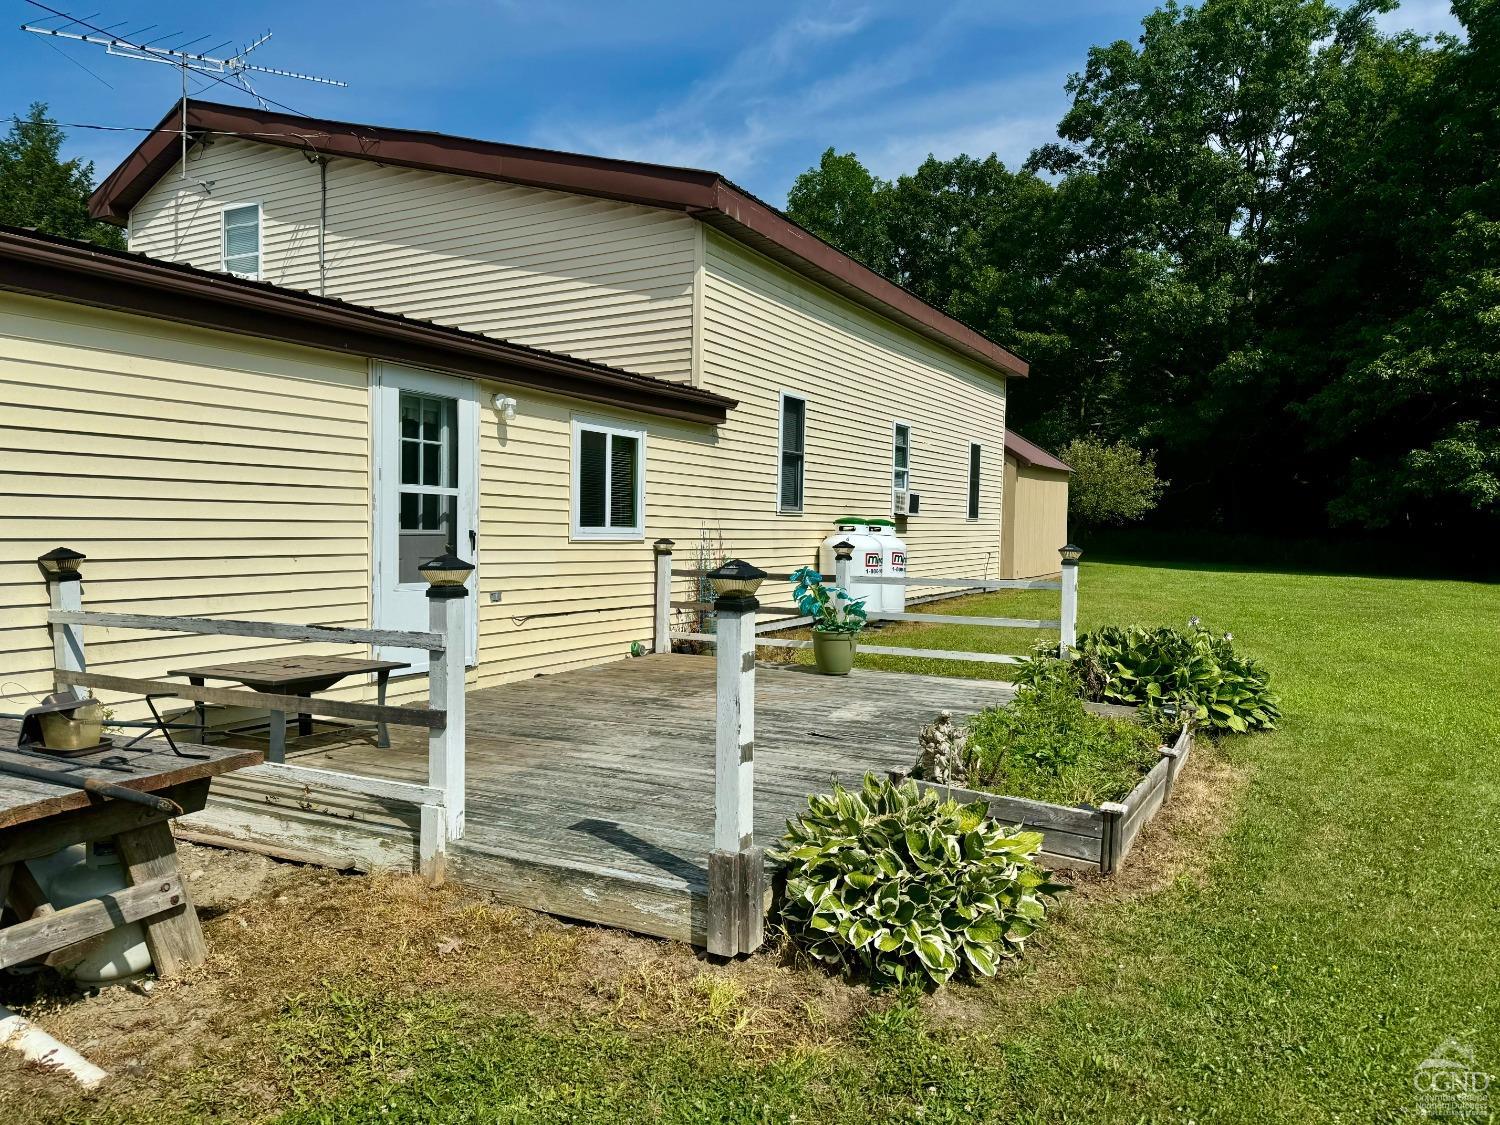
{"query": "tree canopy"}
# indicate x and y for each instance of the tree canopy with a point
(1266, 247)
(41, 190)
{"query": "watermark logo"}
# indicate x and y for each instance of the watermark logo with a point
(1449, 1083)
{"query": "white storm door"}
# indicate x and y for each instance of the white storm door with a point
(426, 438)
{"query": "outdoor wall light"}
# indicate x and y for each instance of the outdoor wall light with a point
(61, 564)
(1070, 554)
(843, 550)
(507, 406)
(736, 579)
(446, 576)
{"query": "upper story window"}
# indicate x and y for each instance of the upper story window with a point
(609, 481)
(975, 455)
(901, 458)
(241, 240)
(793, 443)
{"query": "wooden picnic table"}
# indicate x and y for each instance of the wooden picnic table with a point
(38, 818)
(293, 676)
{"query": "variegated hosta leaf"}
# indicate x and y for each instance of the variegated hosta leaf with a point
(891, 880)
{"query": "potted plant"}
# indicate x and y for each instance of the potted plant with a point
(837, 620)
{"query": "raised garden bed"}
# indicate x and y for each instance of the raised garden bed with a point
(1098, 838)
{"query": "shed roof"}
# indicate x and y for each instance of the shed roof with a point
(1033, 455)
(703, 195)
(81, 272)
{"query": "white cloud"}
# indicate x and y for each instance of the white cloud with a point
(807, 84)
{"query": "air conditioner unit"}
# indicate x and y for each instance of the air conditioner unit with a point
(908, 503)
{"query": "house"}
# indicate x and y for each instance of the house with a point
(593, 354)
(1036, 516)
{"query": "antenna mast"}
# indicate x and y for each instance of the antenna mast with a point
(233, 70)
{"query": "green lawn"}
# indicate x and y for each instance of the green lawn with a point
(1343, 926)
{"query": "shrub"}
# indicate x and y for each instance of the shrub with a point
(1112, 484)
(1170, 672)
(1046, 746)
(895, 883)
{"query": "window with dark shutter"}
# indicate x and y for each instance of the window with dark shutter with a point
(974, 457)
(608, 467)
(793, 440)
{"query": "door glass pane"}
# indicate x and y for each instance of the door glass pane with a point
(435, 536)
(427, 493)
(622, 469)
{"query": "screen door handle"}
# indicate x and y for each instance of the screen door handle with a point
(473, 541)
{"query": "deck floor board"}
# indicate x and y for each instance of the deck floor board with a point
(590, 793)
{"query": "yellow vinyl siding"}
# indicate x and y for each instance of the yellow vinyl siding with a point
(202, 473)
(565, 604)
(1037, 500)
(767, 330)
(605, 281)
(207, 474)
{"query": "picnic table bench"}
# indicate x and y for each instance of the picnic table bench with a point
(293, 676)
(38, 818)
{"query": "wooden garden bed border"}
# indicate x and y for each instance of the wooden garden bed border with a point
(1086, 837)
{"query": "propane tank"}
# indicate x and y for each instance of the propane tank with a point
(88, 871)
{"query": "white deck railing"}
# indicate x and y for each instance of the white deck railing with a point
(440, 799)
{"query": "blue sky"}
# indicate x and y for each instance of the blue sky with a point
(756, 95)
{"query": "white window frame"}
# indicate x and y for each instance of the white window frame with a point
(975, 482)
(911, 444)
(260, 238)
(579, 533)
(781, 453)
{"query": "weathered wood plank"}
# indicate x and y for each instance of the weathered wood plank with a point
(976, 584)
(322, 779)
(38, 838)
(338, 634)
(154, 767)
(237, 697)
(954, 619)
(174, 937)
(59, 929)
(939, 654)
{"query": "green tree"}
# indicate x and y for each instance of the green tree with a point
(1113, 483)
(840, 201)
(1269, 250)
(40, 190)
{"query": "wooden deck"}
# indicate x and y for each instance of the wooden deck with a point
(590, 793)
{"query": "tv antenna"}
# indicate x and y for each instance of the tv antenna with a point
(233, 70)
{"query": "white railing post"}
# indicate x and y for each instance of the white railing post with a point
(736, 878)
(1068, 629)
(662, 641)
(62, 569)
(448, 608)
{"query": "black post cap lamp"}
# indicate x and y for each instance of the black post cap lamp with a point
(446, 576)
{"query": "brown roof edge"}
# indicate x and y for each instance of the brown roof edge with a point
(1031, 454)
(704, 195)
(79, 272)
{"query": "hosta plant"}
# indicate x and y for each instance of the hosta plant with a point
(1193, 673)
(891, 882)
